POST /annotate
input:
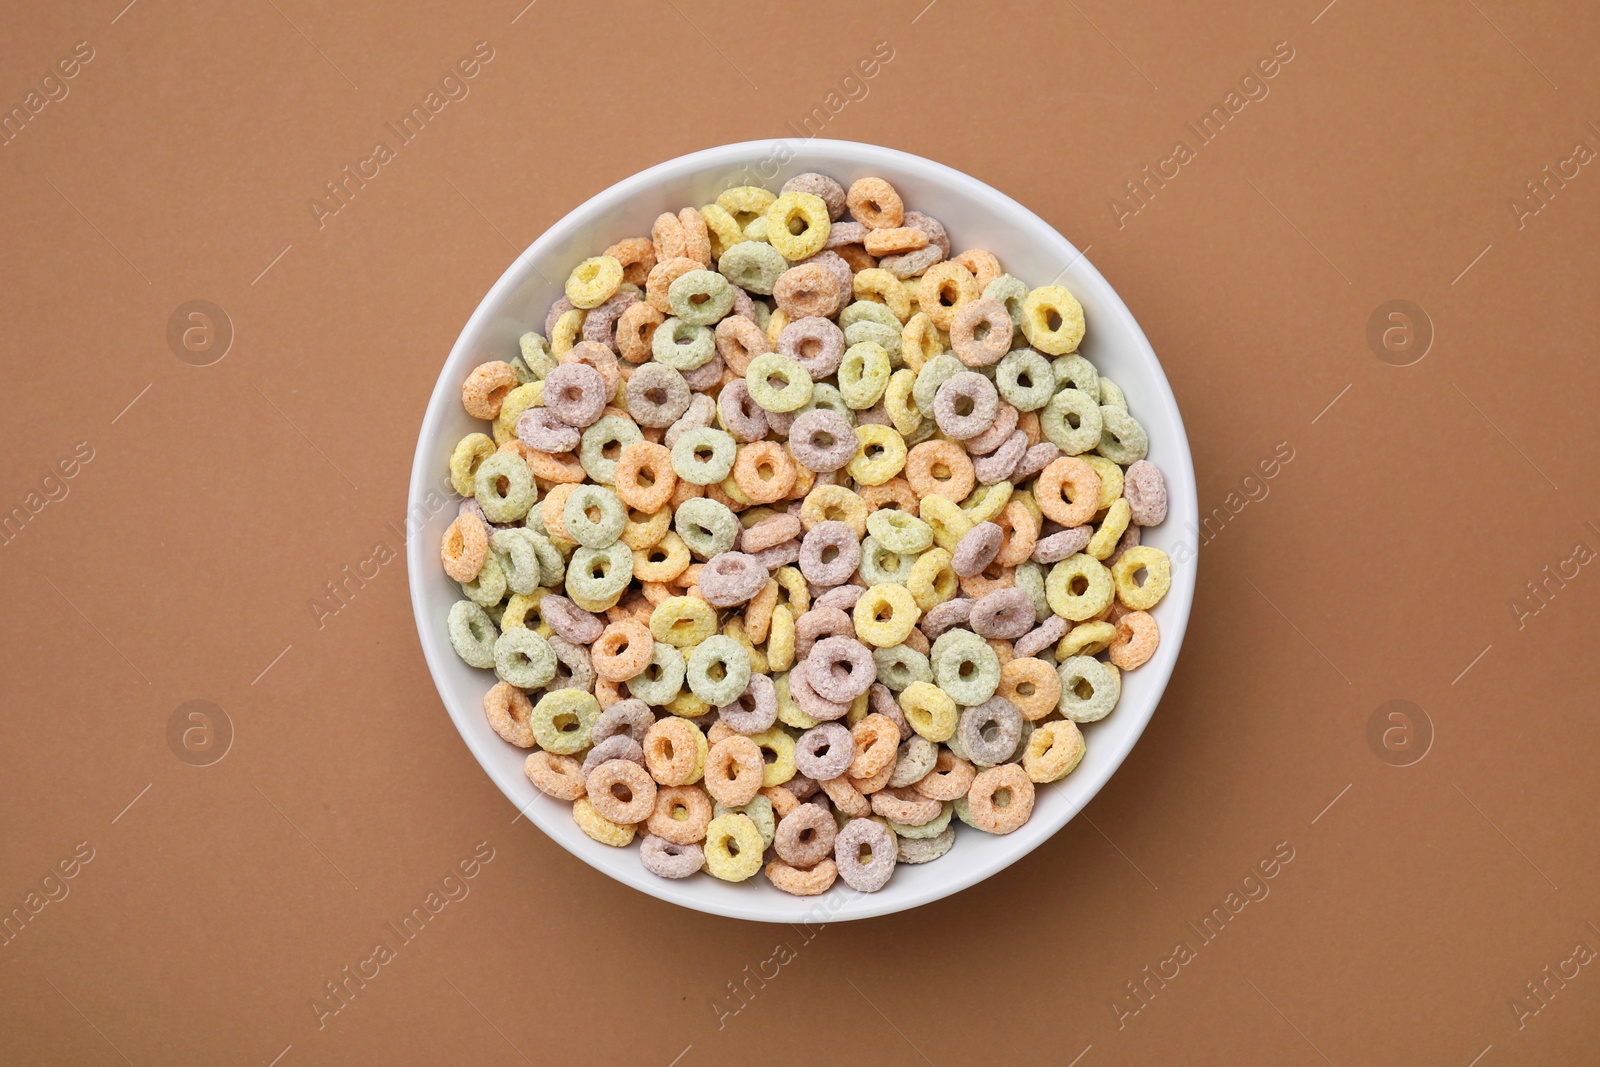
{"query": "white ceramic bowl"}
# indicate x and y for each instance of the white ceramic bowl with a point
(976, 216)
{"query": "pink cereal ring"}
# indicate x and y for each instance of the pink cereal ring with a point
(980, 332)
(906, 806)
(669, 859)
(864, 852)
(621, 791)
(576, 393)
(805, 835)
(1146, 491)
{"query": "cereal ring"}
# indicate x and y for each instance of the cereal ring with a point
(877, 739)
(486, 387)
(657, 395)
(1072, 421)
(1158, 577)
(1054, 751)
(563, 719)
(718, 670)
(820, 185)
(1031, 685)
(950, 778)
(885, 615)
(945, 288)
(1111, 394)
(942, 468)
(821, 622)
(1000, 799)
(914, 759)
(1010, 292)
(507, 709)
(664, 561)
(700, 297)
(704, 456)
(1052, 320)
(733, 770)
(965, 667)
(805, 836)
(707, 527)
(989, 732)
(879, 566)
(683, 622)
(1079, 587)
(599, 827)
(764, 471)
(593, 516)
(823, 441)
(802, 881)
(557, 776)
(636, 329)
(899, 666)
(840, 669)
(1004, 614)
(593, 281)
(864, 374)
(636, 255)
(1024, 380)
(668, 859)
(739, 341)
(675, 751)
(464, 548)
(825, 751)
(524, 659)
(808, 701)
(746, 203)
(682, 345)
(965, 405)
(808, 289)
(621, 791)
(539, 428)
(731, 578)
(1086, 639)
(1058, 546)
(1068, 491)
(755, 710)
(599, 573)
(600, 325)
(946, 615)
(977, 549)
(769, 531)
(575, 393)
(795, 390)
(984, 265)
(1146, 492)
(900, 531)
(681, 814)
(732, 848)
(753, 266)
(1136, 641)
(1046, 634)
(830, 554)
(1089, 689)
(980, 332)
(503, 488)
(797, 224)
(470, 451)
(874, 203)
(623, 650)
(627, 718)
(894, 240)
(929, 710)
(643, 477)
(864, 852)
(1122, 438)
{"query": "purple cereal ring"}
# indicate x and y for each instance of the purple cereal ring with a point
(779, 555)
(841, 669)
(876, 415)
(731, 578)
(631, 717)
(805, 836)
(946, 616)
(912, 264)
(875, 839)
(1058, 546)
(843, 597)
(540, 429)
(772, 530)
(617, 746)
(1005, 421)
(745, 419)
(570, 621)
(755, 710)
(1000, 465)
(980, 332)
(1034, 460)
(825, 751)
(743, 306)
(802, 786)
(1146, 491)
(825, 188)
(1041, 637)
(881, 701)
(965, 405)
(815, 343)
(977, 549)
(1004, 613)
(576, 393)
(937, 237)
(819, 623)
(830, 553)
(843, 233)
(657, 395)
(702, 411)
(600, 324)
(990, 731)
(823, 441)
(706, 375)
(558, 309)
(668, 859)
(806, 698)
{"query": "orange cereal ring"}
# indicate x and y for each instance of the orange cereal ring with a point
(464, 547)
(636, 329)
(1019, 534)
(872, 783)
(942, 468)
(950, 778)
(984, 265)
(808, 289)
(681, 814)
(622, 650)
(621, 791)
(1032, 685)
(563, 468)
(764, 471)
(663, 274)
(1068, 491)
(1028, 423)
(758, 613)
(668, 237)
(508, 708)
(856, 257)
(802, 881)
(944, 289)
(486, 387)
(993, 577)
(734, 767)
(672, 751)
(895, 493)
(637, 255)
(874, 203)
(696, 237)
(738, 342)
(894, 240)
(552, 511)
(642, 531)
(783, 800)
(557, 776)
(608, 692)
(1001, 798)
(644, 478)
(1136, 640)
(877, 738)
(846, 797)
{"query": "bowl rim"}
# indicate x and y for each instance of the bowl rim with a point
(728, 158)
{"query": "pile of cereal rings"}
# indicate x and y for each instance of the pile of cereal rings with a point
(795, 537)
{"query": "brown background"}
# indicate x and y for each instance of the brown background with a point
(1380, 565)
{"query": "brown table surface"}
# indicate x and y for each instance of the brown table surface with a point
(1439, 910)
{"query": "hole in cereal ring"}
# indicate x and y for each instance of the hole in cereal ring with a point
(864, 855)
(1140, 576)
(1002, 798)
(732, 845)
(1082, 689)
(566, 722)
(830, 553)
(1078, 586)
(620, 791)
(963, 405)
(680, 813)
(1026, 689)
(1052, 321)
(968, 668)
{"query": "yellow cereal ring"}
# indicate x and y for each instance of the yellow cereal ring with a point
(683, 621)
(746, 203)
(732, 847)
(885, 615)
(470, 451)
(643, 533)
(596, 606)
(721, 228)
(1052, 320)
(1158, 571)
(758, 659)
(1110, 478)
(518, 609)
(780, 745)
(567, 330)
(594, 281)
(987, 501)
(597, 826)
(780, 640)
(1061, 587)
(944, 288)
(932, 579)
(1104, 541)
(1086, 639)
(948, 522)
(900, 404)
(1053, 751)
(689, 706)
(829, 502)
(662, 561)
(808, 212)
(920, 341)
(519, 400)
(878, 285)
(929, 711)
(789, 712)
(775, 325)
(880, 454)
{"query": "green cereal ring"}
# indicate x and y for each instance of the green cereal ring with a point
(1089, 689)
(708, 527)
(900, 531)
(523, 658)
(878, 334)
(1072, 603)
(682, 345)
(718, 670)
(928, 829)
(881, 566)
(1029, 577)
(1122, 439)
(923, 849)
(933, 374)
(963, 812)
(524, 373)
(1025, 380)
(489, 587)
(789, 712)
(965, 667)
(759, 812)
(826, 397)
(611, 434)
(1075, 372)
(472, 634)
(535, 355)
(869, 311)
(900, 666)
(1111, 395)
(496, 612)
(519, 494)
(704, 455)
(700, 297)
(796, 388)
(600, 573)
(1072, 421)
(662, 678)
(925, 429)
(864, 374)
(552, 564)
(518, 554)
(604, 527)
(1009, 291)
(563, 721)
(753, 266)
